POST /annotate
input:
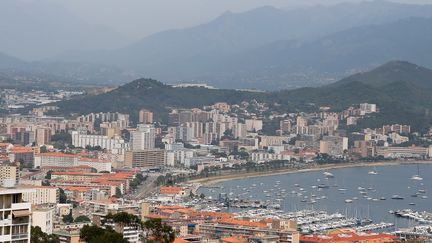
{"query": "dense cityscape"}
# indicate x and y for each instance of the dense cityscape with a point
(75, 173)
(203, 121)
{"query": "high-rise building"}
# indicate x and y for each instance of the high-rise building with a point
(145, 158)
(15, 214)
(143, 137)
(43, 136)
(9, 172)
(333, 145)
(145, 116)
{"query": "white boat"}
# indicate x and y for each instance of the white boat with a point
(416, 178)
(348, 201)
(328, 174)
(373, 172)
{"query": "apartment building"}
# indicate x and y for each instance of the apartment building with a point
(42, 195)
(15, 215)
(145, 158)
(9, 172)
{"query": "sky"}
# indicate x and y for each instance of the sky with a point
(136, 19)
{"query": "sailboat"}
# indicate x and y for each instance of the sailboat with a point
(328, 174)
(417, 177)
(373, 172)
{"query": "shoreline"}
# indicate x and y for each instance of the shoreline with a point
(209, 181)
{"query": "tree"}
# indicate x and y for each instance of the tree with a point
(82, 219)
(37, 236)
(95, 234)
(159, 231)
(67, 219)
(43, 149)
(62, 196)
(48, 175)
(118, 193)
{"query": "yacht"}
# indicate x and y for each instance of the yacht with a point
(348, 201)
(416, 178)
(373, 172)
(328, 174)
(397, 197)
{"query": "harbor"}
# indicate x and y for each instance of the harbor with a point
(355, 193)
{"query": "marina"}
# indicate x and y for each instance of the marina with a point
(354, 193)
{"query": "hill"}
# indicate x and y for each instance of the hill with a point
(153, 95)
(268, 48)
(17, 73)
(401, 100)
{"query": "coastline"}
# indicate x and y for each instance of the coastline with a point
(209, 181)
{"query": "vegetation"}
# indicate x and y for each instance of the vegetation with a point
(95, 234)
(37, 236)
(159, 232)
(397, 79)
(68, 219)
(82, 219)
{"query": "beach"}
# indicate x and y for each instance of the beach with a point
(208, 181)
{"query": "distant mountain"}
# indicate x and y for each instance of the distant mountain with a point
(269, 48)
(36, 29)
(16, 73)
(393, 72)
(401, 90)
(338, 54)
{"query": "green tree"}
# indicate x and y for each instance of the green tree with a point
(95, 234)
(118, 193)
(43, 149)
(62, 196)
(67, 219)
(37, 236)
(48, 175)
(82, 219)
(159, 231)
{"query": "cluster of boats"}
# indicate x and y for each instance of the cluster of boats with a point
(420, 217)
(311, 221)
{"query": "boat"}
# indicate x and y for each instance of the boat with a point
(397, 197)
(348, 201)
(328, 174)
(323, 186)
(373, 172)
(417, 177)
(412, 204)
(424, 197)
(382, 198)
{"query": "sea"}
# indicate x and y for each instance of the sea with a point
(360, 192)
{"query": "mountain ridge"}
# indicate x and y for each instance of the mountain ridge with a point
(160, 97)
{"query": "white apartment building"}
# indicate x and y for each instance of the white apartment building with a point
(143, 137)
(42, 195)
(70, 160)
(44, 218)
(15, 215)
(116, 145)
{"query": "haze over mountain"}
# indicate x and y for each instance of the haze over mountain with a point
(385, 86)
(265, 48)
(38, 29)
(268, 48)
(16, 73)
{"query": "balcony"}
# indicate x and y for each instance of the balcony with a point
(20, 236)
(5, 222)
(18, 206)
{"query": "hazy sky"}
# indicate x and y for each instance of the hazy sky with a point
(139, 18)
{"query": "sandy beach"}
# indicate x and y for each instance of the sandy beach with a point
(218, 179)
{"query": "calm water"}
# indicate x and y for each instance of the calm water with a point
(391, 180)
